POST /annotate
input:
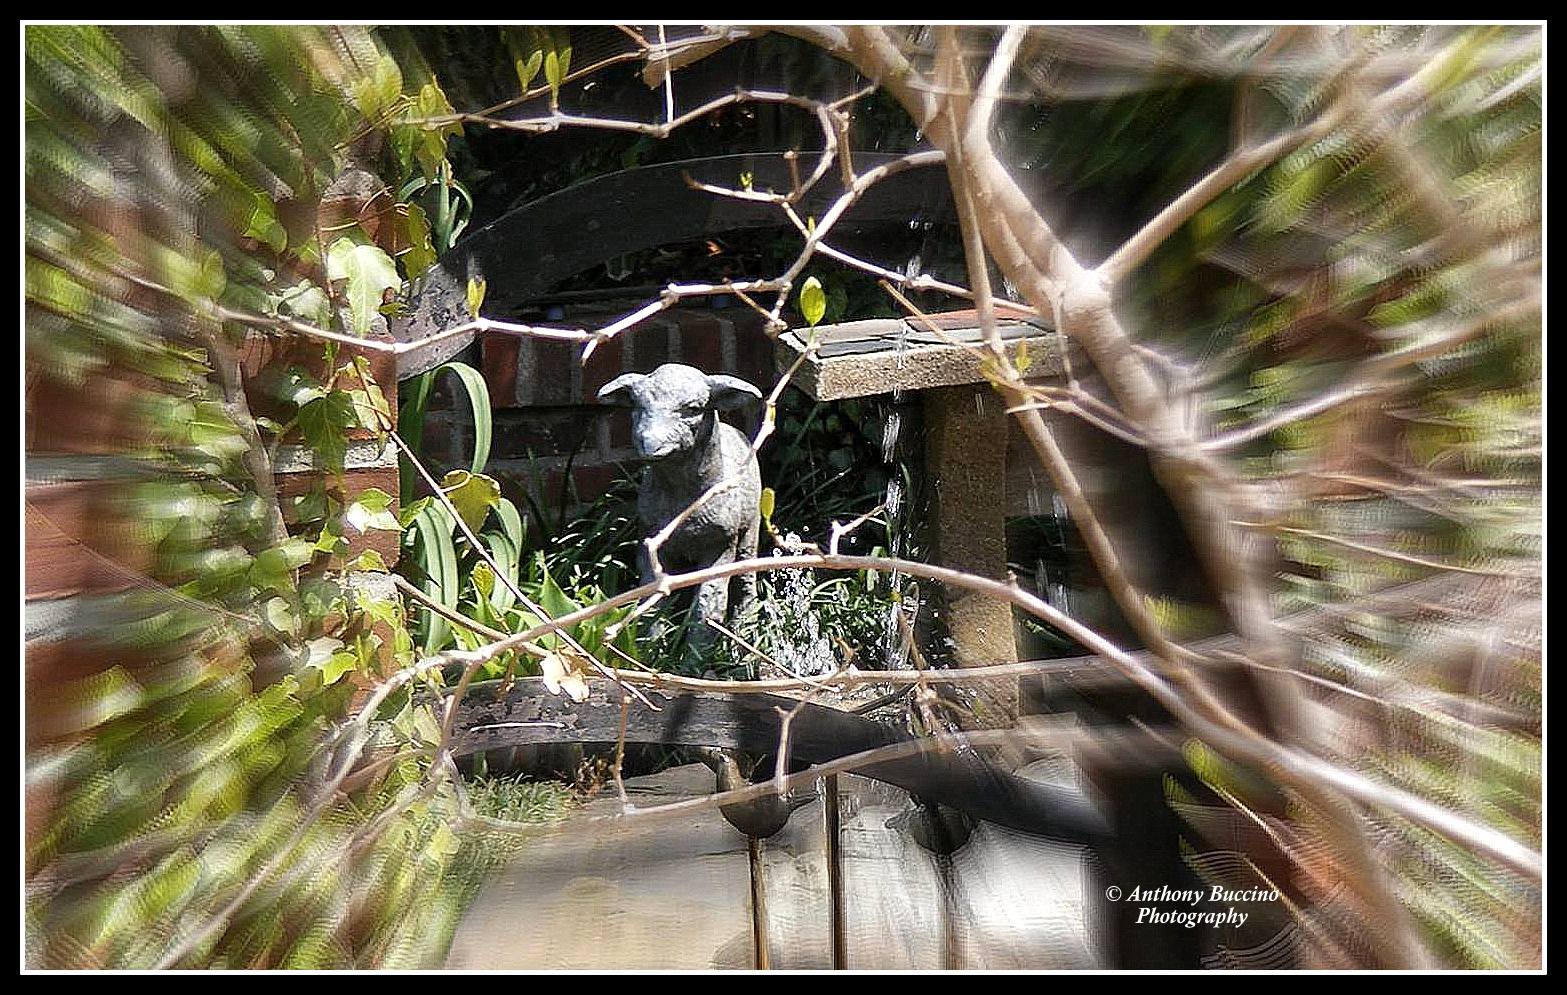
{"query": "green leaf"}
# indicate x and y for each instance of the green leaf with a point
(511, 523)
(414, 396)
(1023, 360)
(526, 59)
(331, 541)
(308, 303)
(476, 290)
(280, 615)
(376, 92)
(370, 406)
(406, 513)
(557, 60)
(324, 424)
(552, 599)
(273, 568)
(769, 498)
(370, 511)
(336, 666)
(369, 273)
(445, 842)
(430, 145)
(479, 399)
(370, 561)
(263, 225)
(506, 557)
(813, 301)
(472, 494)
(193, 279)
(420, 254)
(438, 559)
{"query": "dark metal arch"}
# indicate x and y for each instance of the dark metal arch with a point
(531, 249)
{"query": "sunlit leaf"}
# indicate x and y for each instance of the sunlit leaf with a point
(813, 301)
(472, 494)
(369, 273)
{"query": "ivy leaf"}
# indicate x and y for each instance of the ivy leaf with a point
(476, 289)
(280, 615)
(813, 301)
(370, 405)
(273, 568)
(526, 62)
(472, 494)
(324, 423)
(263, 225)
(370, 511)
(420, 254)
(430, 146)
(369, 271)
(336, 666)
(378, 91)
(331, 541)
(370, 561)
(408, 512)
(307, 302)
(319, 651)
(193, 279)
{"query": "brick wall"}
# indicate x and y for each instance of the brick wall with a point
(542, 398)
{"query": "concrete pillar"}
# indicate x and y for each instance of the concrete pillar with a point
(965, 456)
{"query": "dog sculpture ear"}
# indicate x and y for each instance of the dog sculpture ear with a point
(729, 393)
(618, 390)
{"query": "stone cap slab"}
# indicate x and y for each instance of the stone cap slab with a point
(881, 355)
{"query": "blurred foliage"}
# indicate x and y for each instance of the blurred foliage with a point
(1279, 293)
(189, 761)
(170, 171)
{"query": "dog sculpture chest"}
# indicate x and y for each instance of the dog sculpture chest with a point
(675, 426)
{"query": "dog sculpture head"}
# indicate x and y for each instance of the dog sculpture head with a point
(674, 408)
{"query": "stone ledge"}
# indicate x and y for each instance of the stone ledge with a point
(880, 355)
(362, 454)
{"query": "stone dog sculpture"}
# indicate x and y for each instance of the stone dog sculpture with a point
(675, 425)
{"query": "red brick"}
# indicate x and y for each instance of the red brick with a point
(753, 352)
(498, 362)
(544, 431)
(265, 357)
(551, 383)
(79, 541)
(651, 345)
(701, 340)
(592, 481)
(604, 365)
(354, 481)
(97, 417)
(619, 430)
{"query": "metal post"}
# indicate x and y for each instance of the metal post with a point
(763, 958)
(840, 951)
